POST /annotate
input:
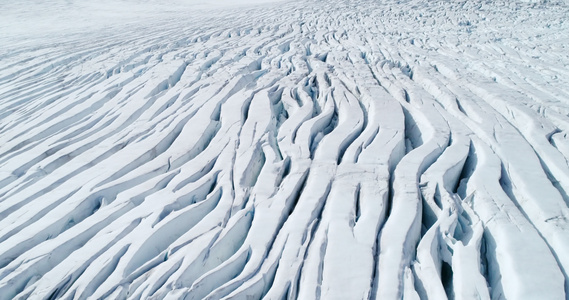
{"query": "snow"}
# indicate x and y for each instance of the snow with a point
(265, 149)
(39, 19)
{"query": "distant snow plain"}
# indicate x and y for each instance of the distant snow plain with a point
(284, 150)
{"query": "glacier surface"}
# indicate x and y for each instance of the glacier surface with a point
(263, 149)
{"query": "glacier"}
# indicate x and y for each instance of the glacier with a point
(262, 149)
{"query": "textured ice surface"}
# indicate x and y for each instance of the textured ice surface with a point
(310, 150)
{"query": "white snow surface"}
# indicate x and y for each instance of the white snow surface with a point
(286, 150)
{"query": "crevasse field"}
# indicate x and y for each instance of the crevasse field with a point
(311, 149)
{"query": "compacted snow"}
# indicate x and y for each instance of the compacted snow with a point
(293, 150)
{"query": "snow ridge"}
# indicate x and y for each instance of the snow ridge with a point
(315, 150)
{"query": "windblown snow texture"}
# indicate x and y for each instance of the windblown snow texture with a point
(306, 150)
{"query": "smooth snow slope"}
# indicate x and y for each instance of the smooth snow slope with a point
(304, 150)
(32, 20)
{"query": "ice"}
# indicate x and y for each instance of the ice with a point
(270, 149)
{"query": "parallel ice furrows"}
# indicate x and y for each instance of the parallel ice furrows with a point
(507, 228)
(426, 138)
(334, 150)
(460, 112)
(537, 208)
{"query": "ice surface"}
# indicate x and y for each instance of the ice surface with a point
(264, 149)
